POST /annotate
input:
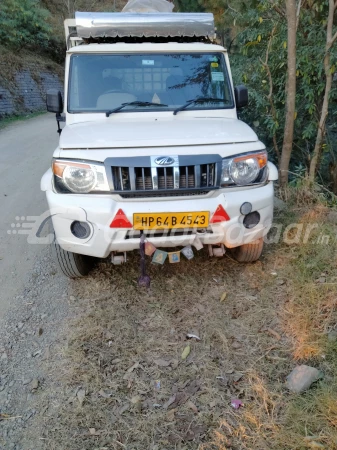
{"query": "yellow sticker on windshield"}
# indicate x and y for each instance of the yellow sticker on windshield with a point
(215, 64)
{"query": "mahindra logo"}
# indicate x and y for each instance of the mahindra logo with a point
(164, 161)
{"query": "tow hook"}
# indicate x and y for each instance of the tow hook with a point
(216, 250)
(118, 258)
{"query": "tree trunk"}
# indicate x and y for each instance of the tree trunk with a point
(291, 92)
(333, 177)
(330, 40)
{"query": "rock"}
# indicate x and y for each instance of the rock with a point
(192, 406)
(332, 336)
(279, 204)
(236, 345)
(4, 356)
(237, 376)
(301, 378)
(34, 384)
(162, 362)
(136, 399)
(20, 325)
(105, 394)
(81, 396)
(332, 217)
(321, 280)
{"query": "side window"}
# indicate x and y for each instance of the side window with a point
(74, 88)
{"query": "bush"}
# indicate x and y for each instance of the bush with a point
(23, 23)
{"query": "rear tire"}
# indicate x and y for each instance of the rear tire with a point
(72, 265)
(248, 252)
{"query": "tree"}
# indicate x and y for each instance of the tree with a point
(291, 18)
(189, 6)
(330, 40)
(24, 23)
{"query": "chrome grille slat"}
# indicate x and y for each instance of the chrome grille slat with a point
(154, 174)
(176, 177)
(197, 176)
(132, 179)
(143, 178)
(121, 178)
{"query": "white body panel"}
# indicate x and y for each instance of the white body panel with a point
(121, 131)
(95, 137)
(100, 213)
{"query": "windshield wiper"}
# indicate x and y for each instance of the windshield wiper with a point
(198, 100)
(137, 103)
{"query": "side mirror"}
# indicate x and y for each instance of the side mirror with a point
(241, 96)
(54, 101)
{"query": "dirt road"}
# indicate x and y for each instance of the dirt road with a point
(33, 303)
(25, 153)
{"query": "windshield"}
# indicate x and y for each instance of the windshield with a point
(100, 83)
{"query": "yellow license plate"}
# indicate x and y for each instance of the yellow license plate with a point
(163, 221)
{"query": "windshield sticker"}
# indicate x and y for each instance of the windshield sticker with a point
(218, 76)
(148, 62)
(213, 58)
(214, 64)
(156, 99)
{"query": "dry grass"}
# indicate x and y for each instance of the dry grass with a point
(310, 311)
(11, 62)
(125, 340)
(301, 195)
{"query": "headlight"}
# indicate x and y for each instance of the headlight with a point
(79, 177)
(243, 170)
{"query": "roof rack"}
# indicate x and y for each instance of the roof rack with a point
(102, 26)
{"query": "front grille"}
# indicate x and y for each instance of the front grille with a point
(161, 181)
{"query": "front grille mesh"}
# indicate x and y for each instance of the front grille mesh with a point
(131, 182)
(143, 179)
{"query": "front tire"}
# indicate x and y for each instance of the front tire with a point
(72, 265)
(248, 252)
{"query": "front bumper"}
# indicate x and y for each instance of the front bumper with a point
(99, 211)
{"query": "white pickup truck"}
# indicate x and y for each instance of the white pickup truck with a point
(152, 145)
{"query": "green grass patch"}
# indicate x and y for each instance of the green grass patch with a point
(17, 118)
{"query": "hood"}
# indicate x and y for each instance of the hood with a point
(154, 132)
